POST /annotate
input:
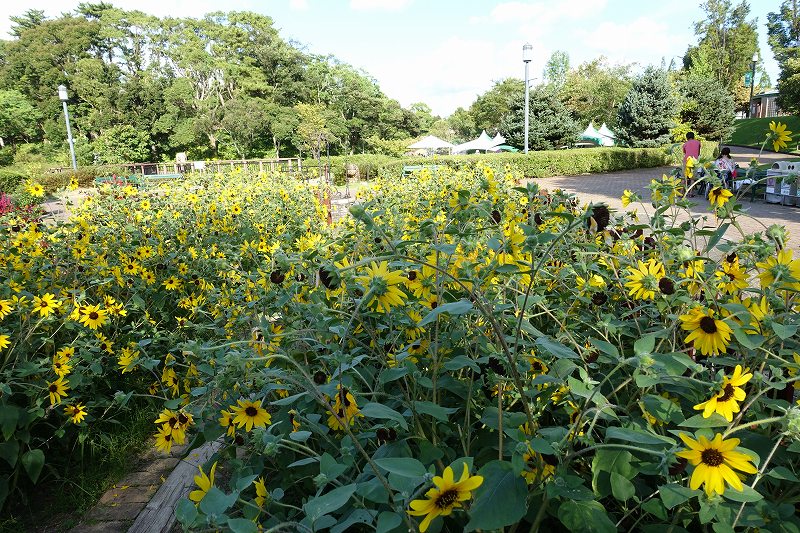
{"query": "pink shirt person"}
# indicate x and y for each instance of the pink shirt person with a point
(691, 148)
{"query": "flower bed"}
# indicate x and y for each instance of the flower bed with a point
(459, 354)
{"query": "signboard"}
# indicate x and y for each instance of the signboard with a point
(748, 79)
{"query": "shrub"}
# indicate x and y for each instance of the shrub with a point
(537, 164)
(10, 179)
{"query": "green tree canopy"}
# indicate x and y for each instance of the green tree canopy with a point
(551, 124)
(645, 116)
(783, 28)
(18, 118)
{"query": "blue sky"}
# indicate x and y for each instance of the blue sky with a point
(445, 53)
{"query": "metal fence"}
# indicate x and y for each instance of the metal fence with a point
(289, 165)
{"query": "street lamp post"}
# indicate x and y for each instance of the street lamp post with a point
(62, 95)
(752, 84)
(527, 54)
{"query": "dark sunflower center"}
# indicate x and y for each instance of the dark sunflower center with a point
(708, 324)
(446, 499)
(173, 422)
(94, 315)
(168, 437)
(251, 411)
(44, 304)
(711, 457)
(53, 388)
(727, 393)
(182, 418)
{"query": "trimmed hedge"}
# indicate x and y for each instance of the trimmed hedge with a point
(539, 164)
(10, 179)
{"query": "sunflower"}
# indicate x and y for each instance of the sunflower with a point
(76, 412)
(628, 196)
(250, 413)
(383, 286)
(226, 421)
(93, 317)
(535, 467)
(445, 496)
(261, 492)
(57, 389)
(73, 183)
(204, 482)
(4, 341)
(643, 279)
(5, 308)
(35, 189)
(726, 401)
(345, 408)
(710, 336)
(731, 279)
(691, 162)
(715, 462)
(164, 438)
(172, 283)
(46, 305)
(719, 196)
(61, 365)
(782, 269)
(779, 135)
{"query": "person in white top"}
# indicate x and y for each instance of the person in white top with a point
(726, 167)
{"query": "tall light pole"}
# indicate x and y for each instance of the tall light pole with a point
(527, 55)
(62, 95)
(752, 84)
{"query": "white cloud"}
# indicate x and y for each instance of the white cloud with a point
(383, 5)
(643, 40)
(298, 5)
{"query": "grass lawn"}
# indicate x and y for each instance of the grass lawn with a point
(751, 131)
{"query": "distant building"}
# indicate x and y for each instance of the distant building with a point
(765, 104)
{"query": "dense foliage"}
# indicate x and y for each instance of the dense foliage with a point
(783, 28)
(460, 353)
(222, 86)
(645, 117)
(551, 124)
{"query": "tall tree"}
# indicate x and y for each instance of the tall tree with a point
(551, 124)
(489, 108)
(556, 69)
(18, 118)
(645, 116)
(706, 107)
(595, 90)
(783, 29)
(727, 42)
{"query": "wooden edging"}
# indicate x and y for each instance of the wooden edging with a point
(158, 516)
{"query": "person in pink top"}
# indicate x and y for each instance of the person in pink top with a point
(691, 148)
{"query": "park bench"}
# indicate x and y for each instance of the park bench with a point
(409, 169)
(755, 184)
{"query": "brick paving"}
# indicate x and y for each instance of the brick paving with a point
(122, 503)
(608, 188)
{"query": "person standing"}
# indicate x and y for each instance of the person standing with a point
(691, 148)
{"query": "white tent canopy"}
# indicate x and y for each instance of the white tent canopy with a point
(484, 142)
(591, 134)
(431, 142)
(607, 136)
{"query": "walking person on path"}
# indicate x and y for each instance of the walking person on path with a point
(691, 148)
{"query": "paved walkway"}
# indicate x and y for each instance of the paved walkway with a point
(608, 188)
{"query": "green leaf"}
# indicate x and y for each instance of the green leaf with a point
(605, 347)
(388, 521)
(621, 488)
(587, 516)
(453, 308)
(644, 345)
(300, 436)
(216, 502)
(9, 415)
(33, 461)
(461, 361)
(436, 411)
(697, 421)
(329, 467)
(10, 452)
(377, 410)
(784, 331)
(402, 466)
(673, 494)
(186, 512)
(746, 495)
(638, 436)
(242, 525)
(500, 500)
(779, 472)
(327, 503)
(748, 340)
(717, 236)
(556, 349)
